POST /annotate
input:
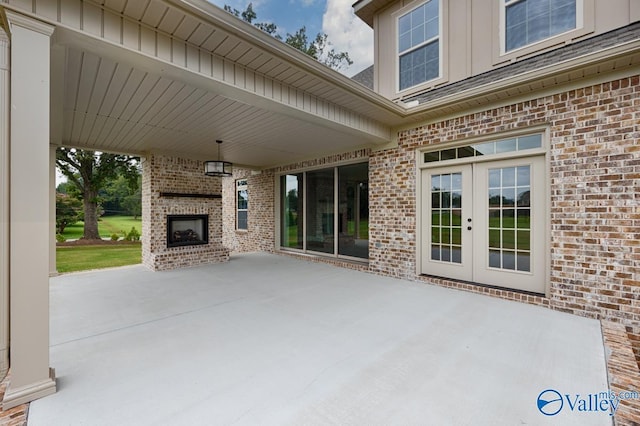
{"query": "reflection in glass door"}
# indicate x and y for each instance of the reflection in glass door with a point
(447, 233)
(509, 249)
(291, 196)
(353, 210)
(326, 211)
(320, 214)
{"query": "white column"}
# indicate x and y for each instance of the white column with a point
(4, 203)
(31, 377)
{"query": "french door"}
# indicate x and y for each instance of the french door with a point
(486, 222)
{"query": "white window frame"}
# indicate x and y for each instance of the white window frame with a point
(241, 185)
(421, 165)
(439, 38)
(540, 44)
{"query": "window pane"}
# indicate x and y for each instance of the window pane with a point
(404, 24)
(484, 148)
(508, 145)
(516, 14)
(509, 242)
(508, 260)
(420, 65)
(404, 42)
(509, 176)
(320, 213)
(353, 210)
(414, 29)
(242, 219)
(446, 221)
(524, 197)
(291, 220)
(529, 142)
(243, 198)
(524, 261)
(524, 176)
(431, 156)
(448, 154)
(529, 21)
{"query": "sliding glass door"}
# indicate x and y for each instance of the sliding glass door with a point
(353, 210)
(292, 193)
(320, 215)
(326, 211)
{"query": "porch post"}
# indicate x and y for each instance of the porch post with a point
(4, 203)
(29, 231)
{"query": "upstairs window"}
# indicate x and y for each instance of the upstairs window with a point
(530, 21)
(419, 45)
(242, 205)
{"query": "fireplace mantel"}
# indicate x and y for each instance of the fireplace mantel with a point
(189, 195)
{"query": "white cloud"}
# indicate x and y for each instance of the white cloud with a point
(347, 33)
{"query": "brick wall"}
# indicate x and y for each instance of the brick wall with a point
(178, 175)
(260, 233)
(595, 198)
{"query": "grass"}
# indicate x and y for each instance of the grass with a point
(84, 257)
(106, 226)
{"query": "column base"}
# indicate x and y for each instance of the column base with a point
(19, 396)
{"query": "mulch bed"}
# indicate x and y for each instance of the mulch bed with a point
(83, 242)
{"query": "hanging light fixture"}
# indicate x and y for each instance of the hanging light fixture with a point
(217, 167)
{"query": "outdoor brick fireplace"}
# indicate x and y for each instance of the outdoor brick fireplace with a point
(181, 214)
(187, 230)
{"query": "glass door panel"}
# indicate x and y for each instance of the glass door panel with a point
(292, 195)
(320, 211)
(509, 251)
(353, 210)
(448, 230)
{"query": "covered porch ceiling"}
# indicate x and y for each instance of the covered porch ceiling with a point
(188, 74)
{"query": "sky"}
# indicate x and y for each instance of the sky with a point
(345, 31)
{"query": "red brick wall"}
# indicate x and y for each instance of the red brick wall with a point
(595, 197)
(179, 175)
(260, 235)
(594, 154)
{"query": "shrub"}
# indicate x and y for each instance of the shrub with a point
(114, 237)
(60, 238)
(133, 235)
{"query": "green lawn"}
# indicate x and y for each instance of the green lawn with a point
(106, 226)
(82, 258)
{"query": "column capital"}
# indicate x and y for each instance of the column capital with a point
(20, 20)
(4, 50)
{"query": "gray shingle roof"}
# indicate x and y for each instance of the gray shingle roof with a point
(365, 77)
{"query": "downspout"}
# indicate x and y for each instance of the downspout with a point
(4, 200)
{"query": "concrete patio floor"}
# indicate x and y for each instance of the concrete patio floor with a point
(268, 339)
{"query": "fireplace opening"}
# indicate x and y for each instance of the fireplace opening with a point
(187, 230)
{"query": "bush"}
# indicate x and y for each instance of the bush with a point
(114, 237)
(132, 235)
(60, 238)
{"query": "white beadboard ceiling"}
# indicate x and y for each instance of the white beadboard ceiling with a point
(113, 106)
(117, 100)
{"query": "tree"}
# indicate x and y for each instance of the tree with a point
(319, 49)
(119, 196)
(132, 203)
(68, 211)
(89, 170)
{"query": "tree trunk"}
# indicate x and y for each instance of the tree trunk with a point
(90, 215)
